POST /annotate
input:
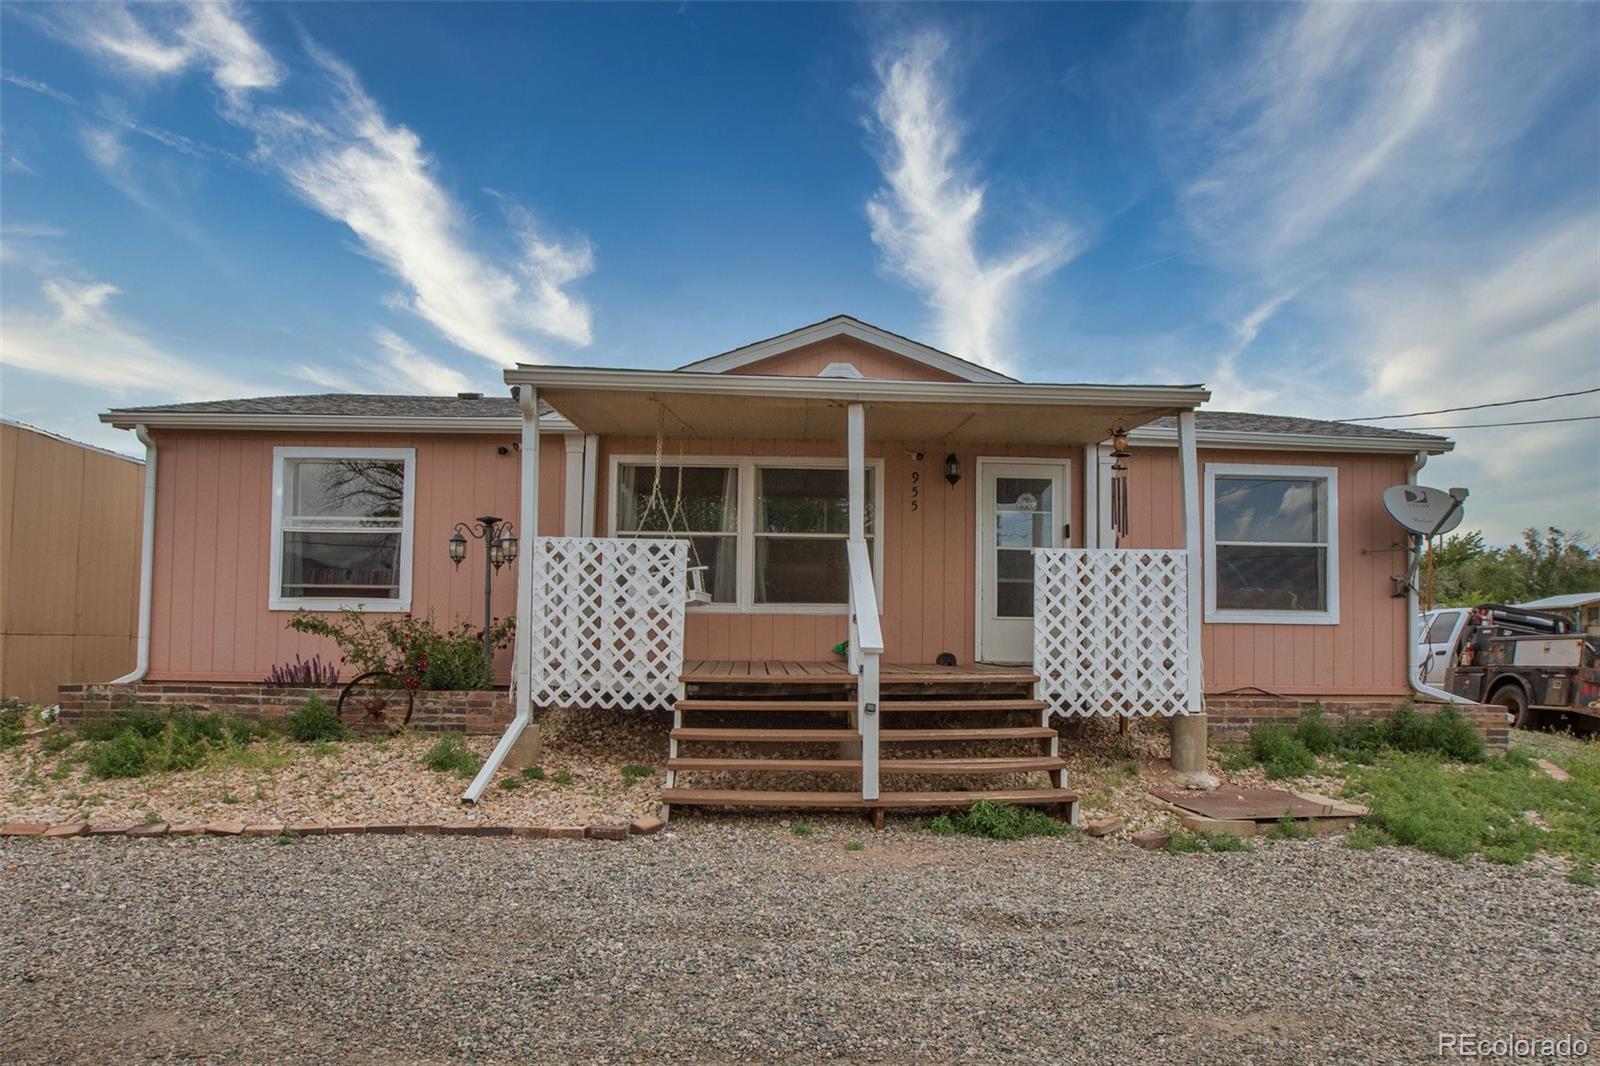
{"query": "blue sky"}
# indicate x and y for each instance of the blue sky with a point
(1328, 210)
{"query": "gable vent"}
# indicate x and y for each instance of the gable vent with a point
(840, 370)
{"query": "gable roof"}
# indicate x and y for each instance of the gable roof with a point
(846, 326)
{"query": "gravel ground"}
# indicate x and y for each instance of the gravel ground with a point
(734, 941)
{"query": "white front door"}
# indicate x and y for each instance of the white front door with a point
(1022, 505)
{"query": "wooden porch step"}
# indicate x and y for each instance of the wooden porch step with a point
(765, 736)
(1032, 732)
(1020, 765)
(813, 766)
(979, 704)
(733, 797)
(806, 706)
(936, 677)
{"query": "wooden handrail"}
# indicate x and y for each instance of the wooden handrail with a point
(864, 599)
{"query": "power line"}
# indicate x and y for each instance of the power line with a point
(1489, 425)
(1473, 407)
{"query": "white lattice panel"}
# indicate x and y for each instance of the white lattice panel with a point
(607, 622)
(1111, 631)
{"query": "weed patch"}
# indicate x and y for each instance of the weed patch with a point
(997, 821)
(450, 754)
(1282, 753)
(801, 829)
(856, 845)
(633, 773)
(510, 784)
(534, 773)
(56, 742)
(1287, 828)
(562, 777)
(317, 719)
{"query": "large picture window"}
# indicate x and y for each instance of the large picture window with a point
(341, 528)
(770, 534)
(1271, 534)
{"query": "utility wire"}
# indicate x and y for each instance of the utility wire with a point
(1473, 407)
(1489, 425)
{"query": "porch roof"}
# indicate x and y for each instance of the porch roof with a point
(630, 402)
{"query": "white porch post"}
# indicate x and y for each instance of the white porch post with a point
(866, 640)
(1189, 728)
(527, 566)
(591, 482)
(1090, 536)
(856, 453)
(572, 497)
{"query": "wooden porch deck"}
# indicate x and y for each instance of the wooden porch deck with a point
(789, 672)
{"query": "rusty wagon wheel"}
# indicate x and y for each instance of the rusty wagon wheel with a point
(376, 702)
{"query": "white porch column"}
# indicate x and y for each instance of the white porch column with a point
(528, 527)
(1090, 537)
(1189, 729)
(856, 461)
(1102, 484)
(591, 482)
(572, 502)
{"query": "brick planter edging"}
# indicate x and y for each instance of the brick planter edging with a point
(644, 826)
(475, 712)
(1241, 715)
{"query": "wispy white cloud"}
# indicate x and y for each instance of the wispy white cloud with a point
(1232, 390)
(925, 220)
(404, 369)
(346, 159)
(80, 339)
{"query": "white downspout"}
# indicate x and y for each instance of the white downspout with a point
(147, 559)
(1414, 650)
(528, 523)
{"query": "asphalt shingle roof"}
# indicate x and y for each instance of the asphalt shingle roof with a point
(401, 407)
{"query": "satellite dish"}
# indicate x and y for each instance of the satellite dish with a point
(1425, 511)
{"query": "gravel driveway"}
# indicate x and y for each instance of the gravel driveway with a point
(737, 942)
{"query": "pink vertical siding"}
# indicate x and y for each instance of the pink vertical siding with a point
(873, 362)
(1365, 654)
(209, 617)
(929, 555)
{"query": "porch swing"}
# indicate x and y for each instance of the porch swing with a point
(695, 586)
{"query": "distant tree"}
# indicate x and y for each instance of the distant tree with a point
(1468, 571)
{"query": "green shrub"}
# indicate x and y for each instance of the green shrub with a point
(940, 825)
(998, 821)
(1281, 752)
(450, 754)
(1366, 836)
(316, 719)
(124, 755)
(1315, 733)
(135, 742)
(1183, 842)
(1224, 842)
(415, 650)
(13, 722)
(801, 829)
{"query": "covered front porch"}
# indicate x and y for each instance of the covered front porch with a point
(613, 616)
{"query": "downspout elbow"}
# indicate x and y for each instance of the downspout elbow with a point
(147, 557)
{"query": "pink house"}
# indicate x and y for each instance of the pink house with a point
(701, 539)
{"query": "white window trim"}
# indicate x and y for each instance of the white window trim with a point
(1213, 614)
(278, 602)
(745, 572)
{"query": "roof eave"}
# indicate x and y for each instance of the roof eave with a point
(1177, 397)
(1248, 440)
(220, 420)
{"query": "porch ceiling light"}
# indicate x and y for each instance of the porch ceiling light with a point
(458, 548)
(952, 469)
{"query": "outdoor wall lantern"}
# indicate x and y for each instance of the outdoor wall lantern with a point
(952, 469)
(501, 543)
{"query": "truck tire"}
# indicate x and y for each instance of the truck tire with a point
(1518, 714)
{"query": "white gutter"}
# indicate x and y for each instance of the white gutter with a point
(1163, 437)
(147, 559)
(1414, 649)
(528, 524)
(126, 419)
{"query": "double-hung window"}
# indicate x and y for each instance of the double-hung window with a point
(1272, 549)
(341, 528)
(770, 534)
(699, 504)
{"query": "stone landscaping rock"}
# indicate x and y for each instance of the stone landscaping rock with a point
(23, 829)
(225, 829)
(1152, 839)
(565, 832)
(606, 831)
(422, 830)
(646, 826)
(185, 830)
(459, 829)
(263, 830)
(106, 830)
(386, 828)
(1552, 770)
(1220, 826)
(1103, 826)
(148, 829)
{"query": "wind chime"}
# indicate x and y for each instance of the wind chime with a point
(1119, 482)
